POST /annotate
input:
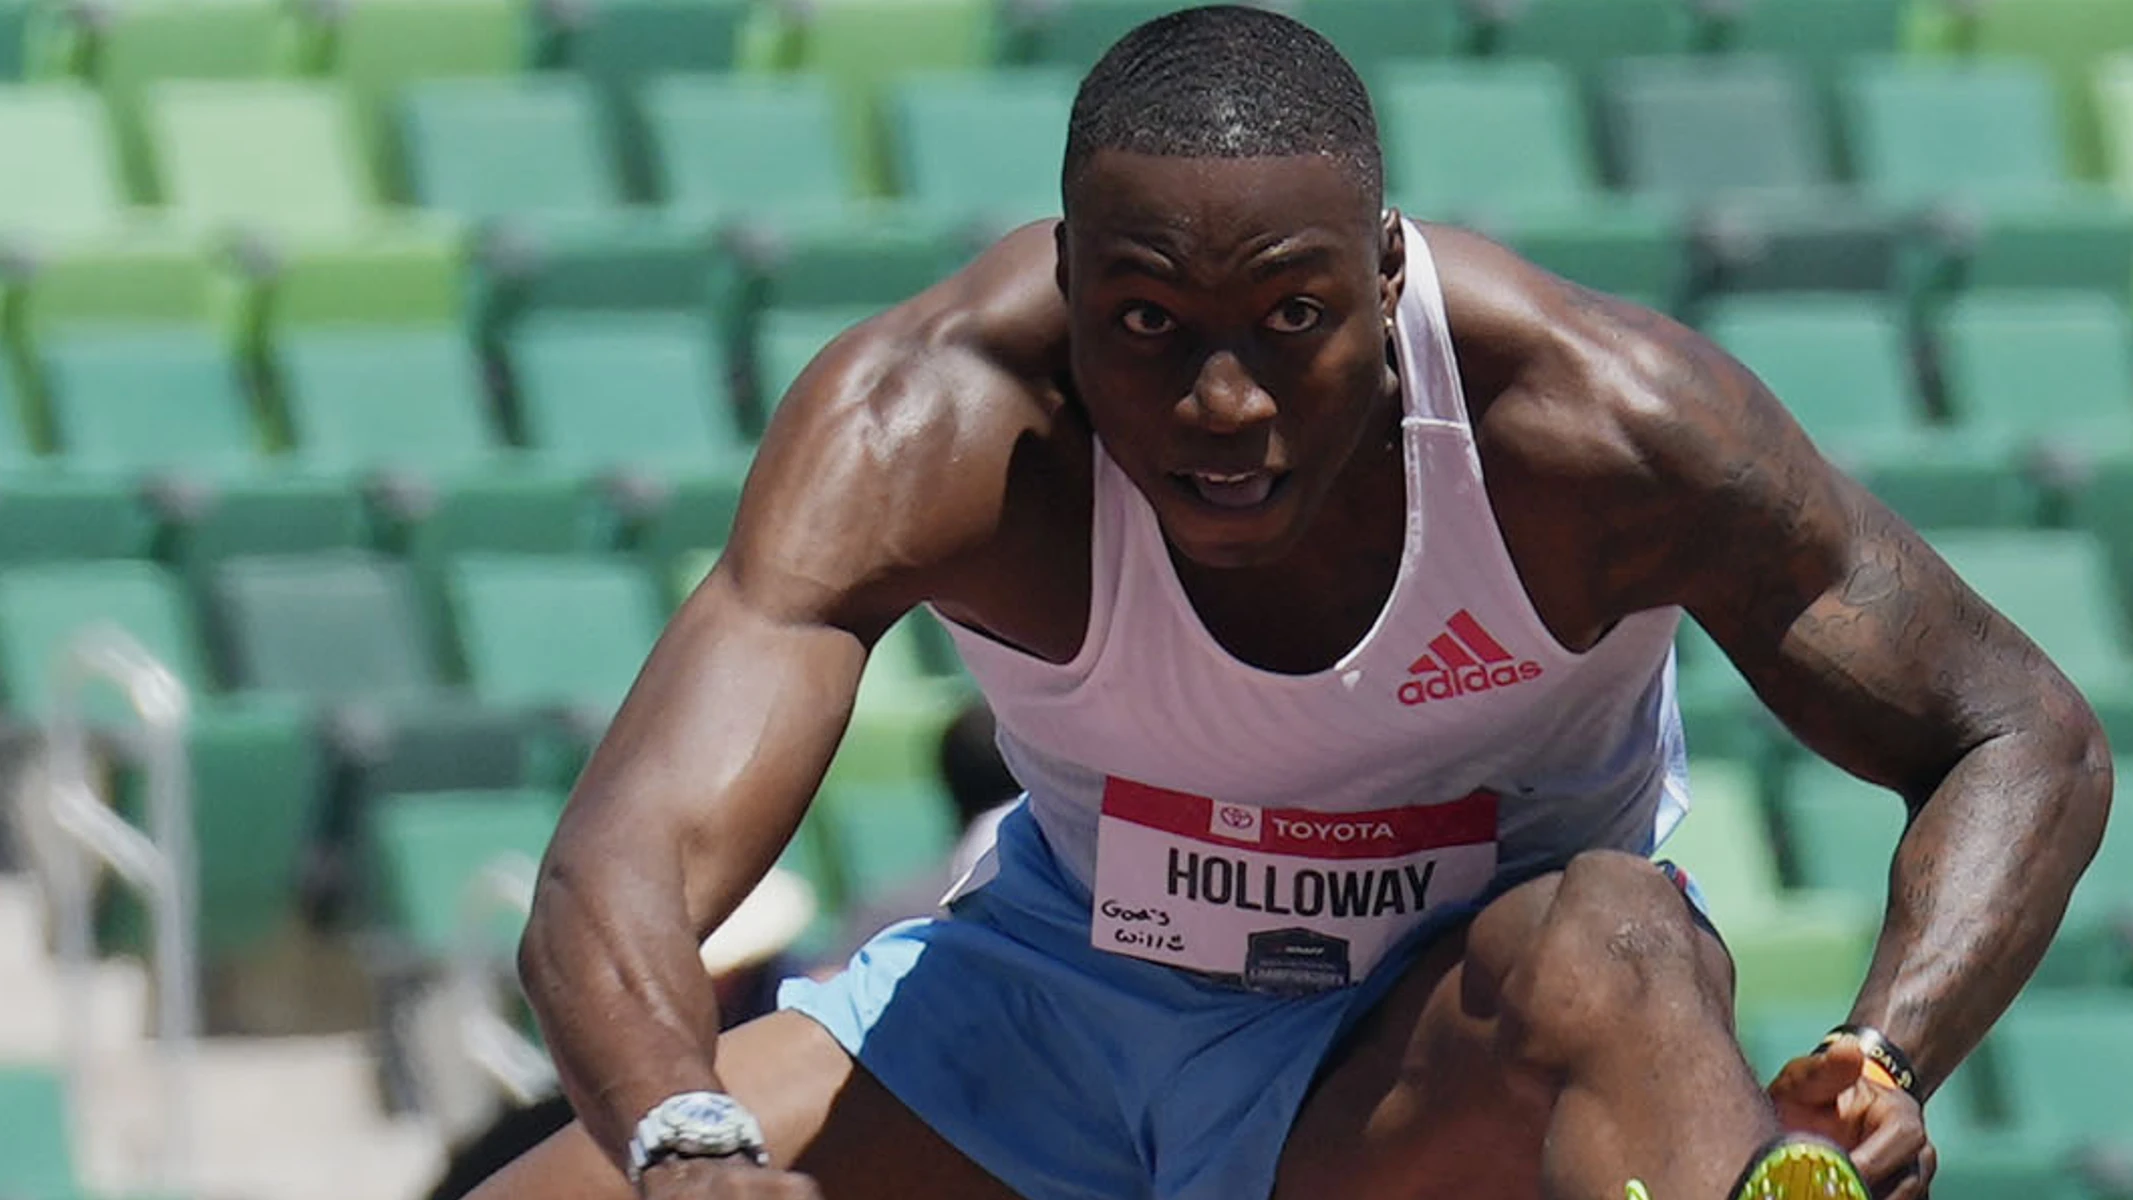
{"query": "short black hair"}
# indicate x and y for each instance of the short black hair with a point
(1225, 81)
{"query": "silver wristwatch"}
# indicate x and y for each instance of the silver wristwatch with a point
(696, 1125)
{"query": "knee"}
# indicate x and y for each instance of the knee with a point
(1582, 954)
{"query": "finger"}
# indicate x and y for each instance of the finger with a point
(1818, 1079)
(1912, 1186)
(1896, 1136)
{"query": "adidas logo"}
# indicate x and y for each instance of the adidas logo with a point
(1463, 660)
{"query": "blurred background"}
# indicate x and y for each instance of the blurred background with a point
(377, 375)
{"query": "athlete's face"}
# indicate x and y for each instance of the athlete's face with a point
(1228, 338)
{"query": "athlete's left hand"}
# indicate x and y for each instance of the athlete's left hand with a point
(1882, 1127)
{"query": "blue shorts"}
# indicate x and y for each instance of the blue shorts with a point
(1074, 1074)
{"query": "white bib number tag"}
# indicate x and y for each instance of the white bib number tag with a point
(1285, 900)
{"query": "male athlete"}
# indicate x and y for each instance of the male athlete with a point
(1321, 568)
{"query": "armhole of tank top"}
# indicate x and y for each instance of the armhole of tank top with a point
(1106, 528)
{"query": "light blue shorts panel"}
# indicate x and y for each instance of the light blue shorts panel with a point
(1073, 1074)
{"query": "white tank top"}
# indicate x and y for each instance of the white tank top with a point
(1457, 688)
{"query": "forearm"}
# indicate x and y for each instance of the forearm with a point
(1979, 885)
(610, 966)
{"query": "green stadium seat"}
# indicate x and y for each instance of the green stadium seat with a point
(276, 165)
(345, 636)
(1073, 34)
(524, 146)
(62, 167)
(406, 410)
(77, 248)
(2068, 38)
(1583, 36)
(1520, 144)
(1978, 148)
(43, 608)
(1721, 716)
(885, 812)
(34, 42)
(53, 513)
(2114, 100)
(1789, 948)
(1641, 257)
(1518, 166)
(1842, 364)
(36, 1141)
(808, 856)
(424, 852)
(1738, 141)
(882, 834)
(788, 339)
(2067, 1067)
(1818, 36)
(252, 765)
(665, 435)
(380, 47)
(163, 406)
(1991, 1165)
(1373, 33)
(145, 41)
(2046, 372)
(527, 159)
(623, 46)
(862, 46)
(2099, 505)
(982, 146)
(1837, 832)
(556, 635)
(753, 146)
(327, 628)
(255, 775)
(833, 263)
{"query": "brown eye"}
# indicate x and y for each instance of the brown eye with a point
(1295, 315)
(1146, 320)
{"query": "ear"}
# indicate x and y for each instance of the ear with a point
(1059, 253)
(1392, 262)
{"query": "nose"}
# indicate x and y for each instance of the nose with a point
(1225, 398)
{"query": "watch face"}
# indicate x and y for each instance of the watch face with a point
(701, 1109)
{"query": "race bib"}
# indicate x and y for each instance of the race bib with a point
(1283, 899)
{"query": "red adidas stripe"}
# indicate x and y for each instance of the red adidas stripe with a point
(1468, 630)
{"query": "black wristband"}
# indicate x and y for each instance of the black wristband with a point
(1881, 1052)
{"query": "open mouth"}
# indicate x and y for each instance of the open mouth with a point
(1230, 489)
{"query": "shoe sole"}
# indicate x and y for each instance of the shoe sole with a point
(1801, 1169)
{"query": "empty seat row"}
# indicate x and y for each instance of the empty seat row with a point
(2029, 390)
(1951, 175)
(326, 683)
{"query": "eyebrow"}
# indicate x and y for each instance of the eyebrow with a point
(1138, 258)
(1286, 256)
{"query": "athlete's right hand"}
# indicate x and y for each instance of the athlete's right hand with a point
(723, 1179)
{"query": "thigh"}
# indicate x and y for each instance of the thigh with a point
(1414, 1103)
(821, 1112)
(1418, 1102)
